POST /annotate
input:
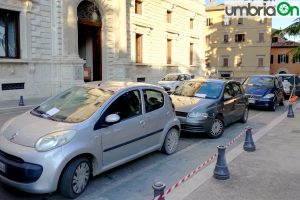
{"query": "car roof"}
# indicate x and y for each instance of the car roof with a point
(118, 85)
(272, 76)
(285, 75)
(178, 74)
(213, 80)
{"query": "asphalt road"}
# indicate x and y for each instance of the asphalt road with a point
(134, 180)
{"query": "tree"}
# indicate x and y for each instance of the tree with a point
(292, 30)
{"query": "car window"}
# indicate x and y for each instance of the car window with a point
(260, 81)
(153, 100)
(126, 106)
(228, 92)
(170, 77)
(276, 83)
(187, 77)
(74, 105)
(202, 89)
(236, 89)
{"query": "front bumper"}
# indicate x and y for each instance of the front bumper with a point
(28, 170)
(261, 102)
(195, 125)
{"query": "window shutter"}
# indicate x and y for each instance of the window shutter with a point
(278, 61)
(287, 58)
(271, 59)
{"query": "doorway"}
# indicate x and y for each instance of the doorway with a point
(89, 40)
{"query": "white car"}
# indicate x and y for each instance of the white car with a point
(288, 82)
(172, 81)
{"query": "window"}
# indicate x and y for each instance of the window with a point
(226, 38)
(239, 37)
(169, 51)
(263, 21)
(209, 21)
(240, 21)
(133, 107)
(283, 58)
(191, 23)
(207, 62)
(271, 59)
(274, 39)
(191, 53)
(207, 39)
(296, 60)
(138, 7)
(236, 89)
(261, 37)
(225, 62)
(139, 48)
(260, 62)
(226, 21)
(153, 100)
(9, 34)
(169, 16)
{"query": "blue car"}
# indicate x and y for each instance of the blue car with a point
(264, 91)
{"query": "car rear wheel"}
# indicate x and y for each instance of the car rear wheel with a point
(75, 177)
(281, 102)
(171, 141)
(245, 115)
(217, 128)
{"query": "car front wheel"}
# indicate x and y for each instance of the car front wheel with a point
(171, 141)
(217, 128)
(75, 178)
(245, 115)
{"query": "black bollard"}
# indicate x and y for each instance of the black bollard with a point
(221, 171)
(290, 112)
(249, 144)
(159, 188)
(21, 101)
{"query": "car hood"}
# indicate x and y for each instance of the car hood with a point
(26, 129)
(187, 104)
(258, 90)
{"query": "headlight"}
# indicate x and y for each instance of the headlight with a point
(268, 96)
(54, 140)
(198, 115)
(5, 125)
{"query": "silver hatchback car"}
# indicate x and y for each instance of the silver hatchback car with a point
(84, 131)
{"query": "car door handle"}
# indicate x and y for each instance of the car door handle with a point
(142, 122)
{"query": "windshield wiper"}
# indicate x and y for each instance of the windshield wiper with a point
(43, 114)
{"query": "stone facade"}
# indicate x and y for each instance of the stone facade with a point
(49, 57)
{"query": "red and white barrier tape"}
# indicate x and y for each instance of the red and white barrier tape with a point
(196, 170)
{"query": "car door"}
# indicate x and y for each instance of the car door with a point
(124, 138)
(229, 104)
(157, 114)
(240, 100)
(278, 90)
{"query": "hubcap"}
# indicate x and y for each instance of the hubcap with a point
(172, 141)
(81, 177)
(217, 127)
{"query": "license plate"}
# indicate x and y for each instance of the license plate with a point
(2, 167)
(251, 100)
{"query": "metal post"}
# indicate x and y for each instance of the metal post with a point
(221, 171)
(249, 144)
(159, 188)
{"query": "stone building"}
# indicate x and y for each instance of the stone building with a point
(237, 47)
(47, 44)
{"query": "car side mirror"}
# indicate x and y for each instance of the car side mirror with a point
(112, 118)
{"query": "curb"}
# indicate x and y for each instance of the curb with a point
(16, 109)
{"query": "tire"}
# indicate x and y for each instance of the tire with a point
(217, 128)
(171, 141)
(273, 108)
(281, 103)
(80, 168)
(245, 115)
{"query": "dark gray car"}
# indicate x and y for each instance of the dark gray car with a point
(207, 106)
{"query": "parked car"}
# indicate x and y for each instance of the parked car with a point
(84, 131)
(208, 105)
(264, 91)
(171, 81)
(289, 81)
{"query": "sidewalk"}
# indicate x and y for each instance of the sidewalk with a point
(271, 172)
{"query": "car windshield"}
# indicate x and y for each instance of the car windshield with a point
(291, 79)
(74, 105)
(170, 77)
(260, 81)
(202, 89)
